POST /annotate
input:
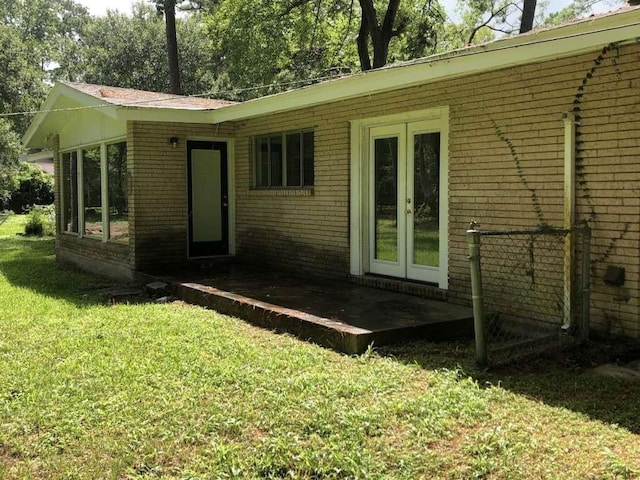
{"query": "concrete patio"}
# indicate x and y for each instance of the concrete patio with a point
(340, 315)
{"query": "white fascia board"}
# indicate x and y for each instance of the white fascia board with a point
(153, 114)
(37, 156)
(525, 49)
(40, 117)
(60, 90)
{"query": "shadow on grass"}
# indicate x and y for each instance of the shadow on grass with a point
(29, 262)
(556, 379)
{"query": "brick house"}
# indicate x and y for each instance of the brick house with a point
(376, 173)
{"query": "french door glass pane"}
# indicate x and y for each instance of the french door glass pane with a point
(386, 204)
(426, 218)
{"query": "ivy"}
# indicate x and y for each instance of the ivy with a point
(535, 200)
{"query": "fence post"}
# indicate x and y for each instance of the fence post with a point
(473, 236)
(586, 283)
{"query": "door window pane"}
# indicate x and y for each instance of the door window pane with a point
(426, 188)
(92, 192)
(386, 205)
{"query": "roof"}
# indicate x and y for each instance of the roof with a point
(129, 97)
(572, 38)
(69, 99)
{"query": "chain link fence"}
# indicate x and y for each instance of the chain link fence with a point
(528, 290)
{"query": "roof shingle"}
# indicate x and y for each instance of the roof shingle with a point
(129, 97)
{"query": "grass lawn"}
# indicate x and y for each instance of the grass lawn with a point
(92, 391)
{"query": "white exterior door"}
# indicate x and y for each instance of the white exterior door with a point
(407, 214)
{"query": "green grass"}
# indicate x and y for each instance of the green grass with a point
(89, 391)
(425, 243)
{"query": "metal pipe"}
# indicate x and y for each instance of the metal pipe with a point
(569, 214)
(473, 236)
(586, 283)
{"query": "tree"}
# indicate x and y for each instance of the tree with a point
(32, 187)
(379, 34)
(130, 51)
(576, 9)
(528, 15)
(168, 8)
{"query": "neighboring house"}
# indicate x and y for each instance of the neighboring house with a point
(377, 173)
(42, 158)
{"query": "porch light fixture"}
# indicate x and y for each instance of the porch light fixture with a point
(173, 141)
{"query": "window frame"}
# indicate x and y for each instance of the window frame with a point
(258, 161)
(79, 184)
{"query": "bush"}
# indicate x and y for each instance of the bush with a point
(25, 187)
(41, 221)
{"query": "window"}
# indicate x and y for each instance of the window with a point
(70, 192)
(94, 192)
(118, 198)
(284, 159)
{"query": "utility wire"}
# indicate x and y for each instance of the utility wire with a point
(471, 51)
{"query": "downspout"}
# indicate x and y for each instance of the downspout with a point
(569, 213)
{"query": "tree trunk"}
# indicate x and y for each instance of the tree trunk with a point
(380, 35)
(363, 44)
(528, 14)
(172, 46)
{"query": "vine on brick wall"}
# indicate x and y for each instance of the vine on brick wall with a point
(581, 178)
(535, 200)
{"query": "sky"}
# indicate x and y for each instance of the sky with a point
(99, 7)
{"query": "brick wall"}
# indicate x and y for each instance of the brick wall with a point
(158, 190)
(523, 105)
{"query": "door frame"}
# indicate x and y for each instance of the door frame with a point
(360, 191)
(231, 191)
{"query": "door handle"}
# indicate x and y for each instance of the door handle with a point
(408, 212)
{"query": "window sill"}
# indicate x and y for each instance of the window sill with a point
(281, 192)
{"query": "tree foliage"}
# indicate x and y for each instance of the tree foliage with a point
(24, 186)
(130, 51)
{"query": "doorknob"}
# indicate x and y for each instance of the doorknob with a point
(408, 211)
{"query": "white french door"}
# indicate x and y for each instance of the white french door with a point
(408, 201)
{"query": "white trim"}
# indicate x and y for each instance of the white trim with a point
(104, 191)
(444, 198)
(231, 190)
(80, 169)
(155, 114)
(108, 141)
(569, 121)
(554, 43)
(61, 185)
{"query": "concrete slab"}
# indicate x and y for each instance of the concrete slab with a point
(340, 315)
